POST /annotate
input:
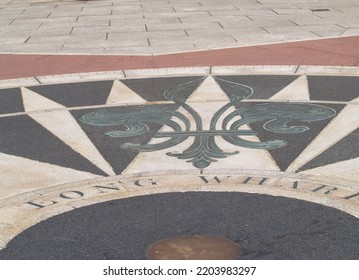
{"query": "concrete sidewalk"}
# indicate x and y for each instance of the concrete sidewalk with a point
(166, 26)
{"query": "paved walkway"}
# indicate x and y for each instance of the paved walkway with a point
(167, 26)
(243, 108)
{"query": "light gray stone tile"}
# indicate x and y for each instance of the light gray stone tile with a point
(5, 22)
(256, 12)
(14, 29)
(179, 26)
(298, 11)
(148, 35)
(237, 23)
(108, 29)
(180, 15)
(245, 31)
(58, 21)
(88, 18)
(108, 44)
(318, 29)
(167, 41)
(169, 20)
(32, 48)
(229, 18)
(270, 23)
(198, 8)
(328, 14)
(46, 39)
(351, 32)
(98, 10)
(99, 4)
(121, 10)
(65, 13)
(77, 24)
(209, 33)
(60, 30)
(13, 40)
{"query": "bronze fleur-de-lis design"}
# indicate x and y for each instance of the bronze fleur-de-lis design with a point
(204, 149)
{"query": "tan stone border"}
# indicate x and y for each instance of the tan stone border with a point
(25, 210)
(182, 71)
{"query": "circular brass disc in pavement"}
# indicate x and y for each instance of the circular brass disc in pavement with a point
(194, 247)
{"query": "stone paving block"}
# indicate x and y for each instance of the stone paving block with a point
(120, 10)
(328, 14)
(351, 32)
(13, 40)
(59, 20)
(15, 30)
(108, 29)
(129, 51)
(67, 38)
(43, 30)
(270, 23)
(198, 8)
(8, 12)
(99, 4)
(239, 30)
(108, 44)
(147, 35)
(98, 10)
(318, 29)
(86, 37)
(181, 26)
(292, 11)
(39, 15)
(33, 48)
(162, 20)
(251, 40)
(65, 13)
(5, 22)
(256, 12)
(175, 14)
(46, 39)
(183, 41)
(208, 44)
(230, 18)
(37, 11)
(227, 24)
(347, 24)
(152, 21)
(93, 18)
(104, 22)
(227, 13)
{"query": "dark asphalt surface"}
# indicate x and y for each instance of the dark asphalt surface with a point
(266, 227)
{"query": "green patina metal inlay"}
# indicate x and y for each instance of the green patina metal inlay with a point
(204, 149)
